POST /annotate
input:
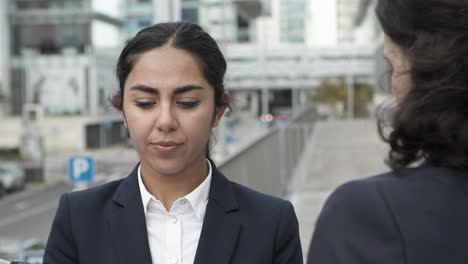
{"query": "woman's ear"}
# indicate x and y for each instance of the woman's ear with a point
(117, 101)
(118, 104)
(221, 109)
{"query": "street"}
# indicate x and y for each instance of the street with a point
(29, 214)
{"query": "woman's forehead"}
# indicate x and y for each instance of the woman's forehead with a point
(166, 67)
(168, 58)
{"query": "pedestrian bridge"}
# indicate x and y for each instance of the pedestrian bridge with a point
(252, 66)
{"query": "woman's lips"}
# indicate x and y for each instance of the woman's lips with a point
(166, 147)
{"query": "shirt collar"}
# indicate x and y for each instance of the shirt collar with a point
(197, 198)
(145, 195)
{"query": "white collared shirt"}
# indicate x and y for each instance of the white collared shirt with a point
(173, 236)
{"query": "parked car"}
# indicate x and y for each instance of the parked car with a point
(12, 177)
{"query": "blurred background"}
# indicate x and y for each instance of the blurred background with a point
(306, 78)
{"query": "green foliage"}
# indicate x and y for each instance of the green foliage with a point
(332, 92)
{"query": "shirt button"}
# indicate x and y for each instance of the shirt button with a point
(183, 202)
(173, 260)
(173, 220)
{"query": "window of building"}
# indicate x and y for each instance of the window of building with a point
(243, 31)
(50, 38)
(242, 22)
(144, 22)
(190, 14)
(296, 7)
(47, 4)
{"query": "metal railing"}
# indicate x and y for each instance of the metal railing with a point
(267, 165)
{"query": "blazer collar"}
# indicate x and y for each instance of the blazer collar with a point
(128, 224)
(221, 225)
(221, 191)
(219, 234)
(128, 189)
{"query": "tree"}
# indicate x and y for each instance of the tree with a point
(334, 92)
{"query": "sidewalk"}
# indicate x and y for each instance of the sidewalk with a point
(338, 151)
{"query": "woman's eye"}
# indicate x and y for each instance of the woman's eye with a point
(145, 105)
(188, 104)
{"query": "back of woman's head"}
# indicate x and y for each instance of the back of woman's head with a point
(431, 121)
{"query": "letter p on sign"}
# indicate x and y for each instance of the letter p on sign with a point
(80, 169)
(80, 166)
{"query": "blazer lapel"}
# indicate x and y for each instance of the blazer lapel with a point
(221, 225)
(127, 223)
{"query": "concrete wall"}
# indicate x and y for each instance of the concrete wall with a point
(69, 83)
(60, 134)
(58, 82)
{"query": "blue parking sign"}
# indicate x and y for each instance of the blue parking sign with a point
(80, 169)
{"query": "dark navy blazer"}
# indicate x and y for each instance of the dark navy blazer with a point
(413, 216)
(106, 225)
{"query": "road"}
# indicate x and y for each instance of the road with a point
(29, 214)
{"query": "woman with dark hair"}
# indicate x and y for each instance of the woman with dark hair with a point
(175, 206)
(416, 213)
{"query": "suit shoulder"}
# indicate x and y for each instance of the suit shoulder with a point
(369, 186)
(357, 214)
(358, 209)
(406, 182)
(359, 197)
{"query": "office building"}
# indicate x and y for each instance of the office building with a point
(63, 54)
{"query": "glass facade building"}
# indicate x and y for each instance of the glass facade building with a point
(293, 21)
(137, 15)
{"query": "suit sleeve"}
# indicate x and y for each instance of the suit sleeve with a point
(60, 248)
(356, 226)
(288, 248)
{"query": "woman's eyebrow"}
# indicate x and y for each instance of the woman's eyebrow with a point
(187, 88)
(155, 91)
(145, 89)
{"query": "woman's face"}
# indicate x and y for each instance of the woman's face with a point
(401, 66)
(169, 110)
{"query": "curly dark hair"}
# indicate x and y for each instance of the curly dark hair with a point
(431, 122)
